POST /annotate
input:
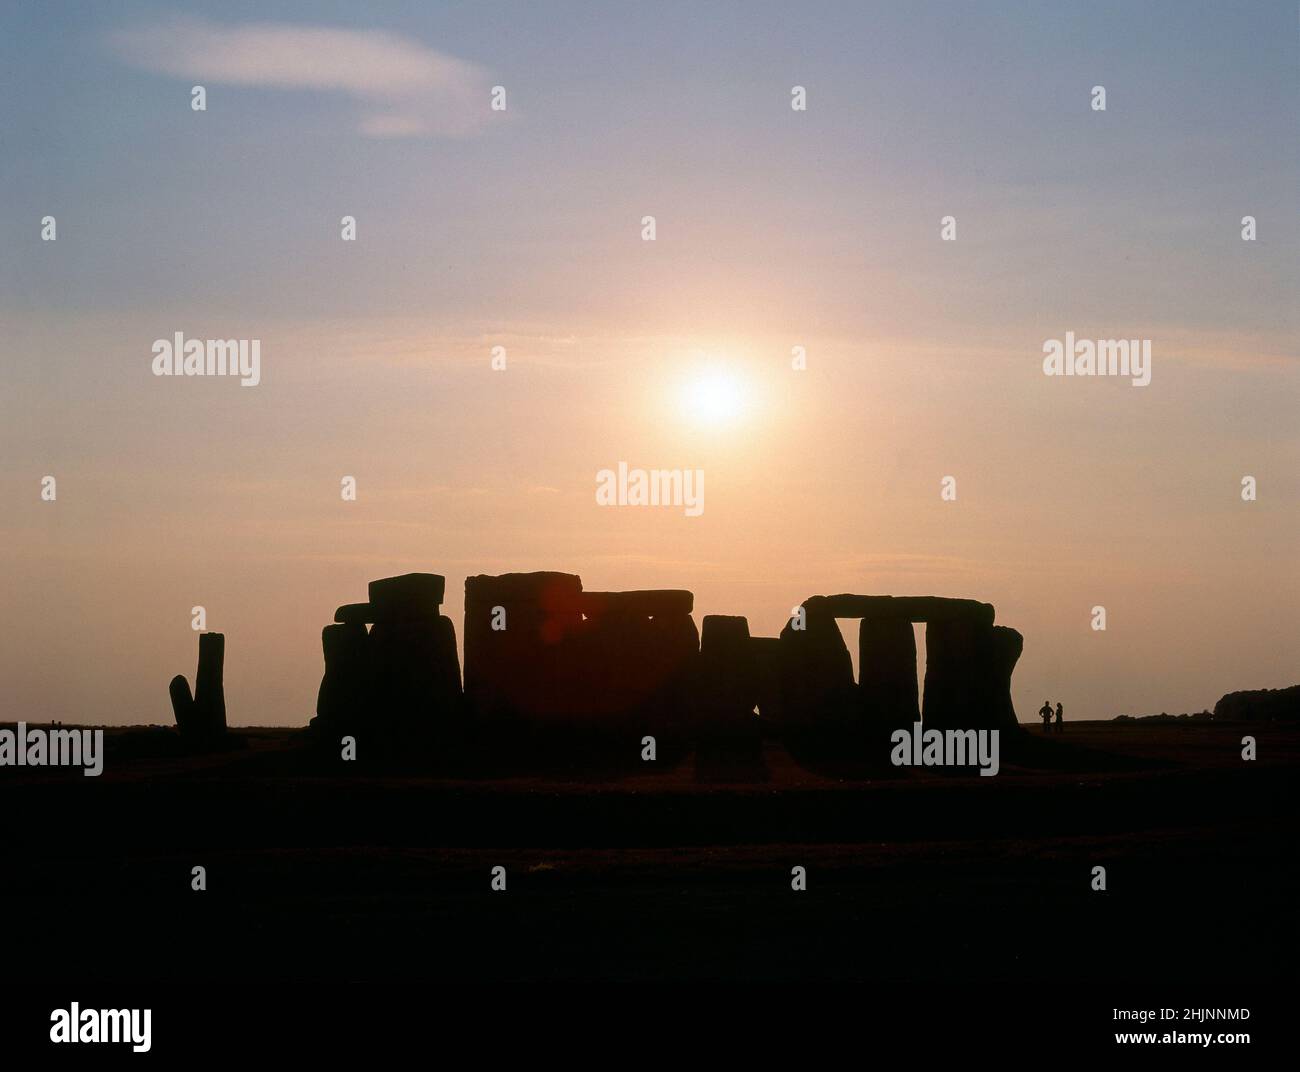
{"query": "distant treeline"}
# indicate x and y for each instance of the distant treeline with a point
(1257, 705)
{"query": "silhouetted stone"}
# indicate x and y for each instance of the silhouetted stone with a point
(345, 689)
(968, 676)
(201, 719)
(953, 674)
(209, 689)
(906, 608)
(632, 674)
(415, 673)
(671, 652)
(183, 706)
(355, 614)
(727, 692)
(522, 670)
(410, 597)
(765, 658)
(817, 687)
(1004, 648)
(887, 672)
(651, 603)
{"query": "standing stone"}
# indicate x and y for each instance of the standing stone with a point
(817, 687)
(765, 658)
(1005, 646)
(209, 690)
(183, 707)
(672, 652)
(346, 688)
(416, 673)
(955, 678)
(201, 719)
(727, 693)
(887, 673)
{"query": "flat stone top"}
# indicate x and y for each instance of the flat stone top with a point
(407, 592)
(545, 586)
(908, 608)
(648, 602)
(724, 629)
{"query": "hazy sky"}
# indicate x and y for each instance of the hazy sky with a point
(775, 228)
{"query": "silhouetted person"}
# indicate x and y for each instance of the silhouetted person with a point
(1060, 711)
(1045, 713)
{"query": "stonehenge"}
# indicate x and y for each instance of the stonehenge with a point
(543, 655)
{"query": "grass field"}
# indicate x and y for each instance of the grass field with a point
(319, 870)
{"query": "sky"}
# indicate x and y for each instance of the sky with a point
(775, 228)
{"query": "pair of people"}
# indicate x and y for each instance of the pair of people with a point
(1045, 713)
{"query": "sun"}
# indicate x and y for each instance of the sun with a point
(714, 397)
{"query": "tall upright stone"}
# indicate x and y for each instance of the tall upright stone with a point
(887, 673)
(670, 652)
(415, 672)
(346, 691)
(765, 658)
(1004, 648)
(201, 719)
(728, 690)
(817, 687)
(955, 678)
(209, 687)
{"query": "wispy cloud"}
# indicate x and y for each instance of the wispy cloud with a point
(401, 87)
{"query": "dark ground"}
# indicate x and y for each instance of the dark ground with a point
(321, 871)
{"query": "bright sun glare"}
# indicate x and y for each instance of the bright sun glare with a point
(714, 397)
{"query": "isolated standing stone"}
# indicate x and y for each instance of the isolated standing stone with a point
(209, 689)
(202, 719)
